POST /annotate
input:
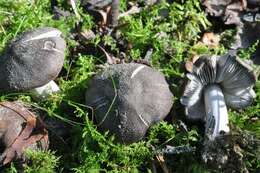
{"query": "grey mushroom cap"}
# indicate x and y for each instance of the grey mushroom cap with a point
(235, 78)
(32, 60)
(127, 99)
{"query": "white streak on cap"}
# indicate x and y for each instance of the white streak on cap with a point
(142, 119)
(138, 69)
(54, 33)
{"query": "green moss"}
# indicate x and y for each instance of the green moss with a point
(38, 162)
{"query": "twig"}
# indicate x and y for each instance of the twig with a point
(132, 10)
(114, 13)
(153, 167)
(161, 161)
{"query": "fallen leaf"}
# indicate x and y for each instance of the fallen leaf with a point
(210, 39)
(33, 133)
(110, 58)
(87, 35)
(189, 64)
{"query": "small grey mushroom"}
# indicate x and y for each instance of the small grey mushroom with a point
(127, 99)
(215, 82)
(33, 60)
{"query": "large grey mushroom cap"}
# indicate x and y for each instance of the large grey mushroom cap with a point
(235, 78)
(128, 98)
(32, 60)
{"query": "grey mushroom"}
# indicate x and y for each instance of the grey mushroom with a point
(215, 83)
(127, 99)
(33, 60)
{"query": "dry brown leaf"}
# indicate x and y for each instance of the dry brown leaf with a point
(32, 133)
(104, 14)
(189, 64)
(210, 39)
(87, 35)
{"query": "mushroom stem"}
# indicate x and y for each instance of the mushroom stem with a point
(45, 90)
(216, 112)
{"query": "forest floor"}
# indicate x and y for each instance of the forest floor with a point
(171, 33)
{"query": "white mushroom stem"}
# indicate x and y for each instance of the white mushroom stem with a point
(45, 90)
(216, 112)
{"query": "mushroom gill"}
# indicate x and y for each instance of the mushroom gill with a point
(215, 82)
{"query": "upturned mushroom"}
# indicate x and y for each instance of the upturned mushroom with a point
(20, 129)
(127, 99)
(32, 61)
(215, 83)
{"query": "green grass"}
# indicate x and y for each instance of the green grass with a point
(173, 39)
(41, 162)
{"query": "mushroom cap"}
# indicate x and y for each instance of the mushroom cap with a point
(235, 78)
(128, 98)
(32, 60)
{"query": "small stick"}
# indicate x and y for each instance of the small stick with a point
(114, 13)
(153, 167)
(133, 10)
(161, 161)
